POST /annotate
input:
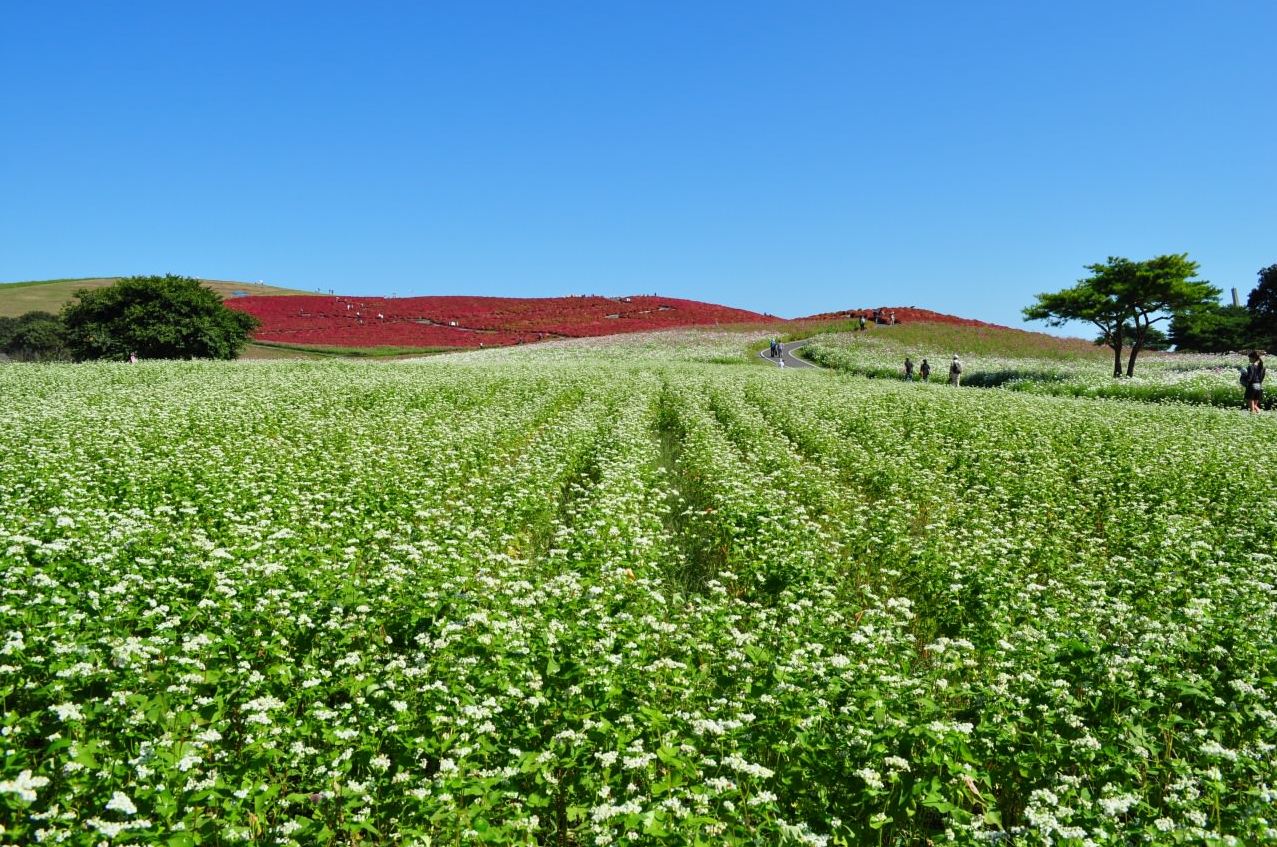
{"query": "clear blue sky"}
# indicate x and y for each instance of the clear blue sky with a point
(783, 157)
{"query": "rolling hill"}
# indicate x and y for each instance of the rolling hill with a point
(18, 298)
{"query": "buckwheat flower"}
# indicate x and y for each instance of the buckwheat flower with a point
(67, 712)
(24, 786)
(120, 802)
(1118, 805)
(896, 763)
(871, 777)
(380, 762)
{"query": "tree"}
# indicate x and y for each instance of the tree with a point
(168, 317)
(1164, 287)
(1211, 329)
(1262, 304)
(1098, 300)
(1125, 298)
(33, 337)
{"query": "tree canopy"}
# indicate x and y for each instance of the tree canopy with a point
(34, 336)
(1262, 304)
(1212, 329)
(168, 317)
(1123, 297)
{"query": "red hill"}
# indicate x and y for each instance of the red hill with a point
(472, 321)
(904, 314)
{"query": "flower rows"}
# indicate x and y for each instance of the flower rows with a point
(528, 597)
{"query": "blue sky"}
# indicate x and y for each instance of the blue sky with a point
(784, 157)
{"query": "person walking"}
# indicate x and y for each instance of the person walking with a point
(955, 372)
(908, 369)
(1253, 378)
(924, 370)
(862, 323)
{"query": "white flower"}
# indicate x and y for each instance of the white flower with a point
(871, 777)
(1118, 805)
(24, 786)
(67, 712)
(120, 802)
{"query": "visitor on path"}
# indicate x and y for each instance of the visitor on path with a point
(1253, 379)
(955, 371)
(908, 369)
(891, 321)
(782, 363)
(862, 323)
(924, 370)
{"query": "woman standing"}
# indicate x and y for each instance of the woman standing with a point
(1255, 382)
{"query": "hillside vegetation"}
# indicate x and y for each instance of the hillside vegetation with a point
(934, 338)
(18, 298)
(994, 357)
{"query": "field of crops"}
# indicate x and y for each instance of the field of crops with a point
(1033, 363)
(531, 598)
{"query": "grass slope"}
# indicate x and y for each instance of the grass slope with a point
(17, 298)
(932, 339)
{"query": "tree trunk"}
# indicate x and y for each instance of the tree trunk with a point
(1141, 330)
(1116, 344)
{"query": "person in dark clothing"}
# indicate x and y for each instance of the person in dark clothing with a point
(1253, 379)
(924, 371)
(908, 369)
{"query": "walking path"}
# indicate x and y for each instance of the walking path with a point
(787, 355)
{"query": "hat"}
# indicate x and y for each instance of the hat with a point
(955, 357)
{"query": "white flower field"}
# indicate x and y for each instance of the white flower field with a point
(526, 598)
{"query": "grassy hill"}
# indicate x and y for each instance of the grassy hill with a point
(49, 295)
(935, 338)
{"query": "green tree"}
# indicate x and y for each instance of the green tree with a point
(1211, 329)
(1262, 305)
(33, 337)
(1098, 300)
(168, 317)
(1125, 298)
(1164, 286)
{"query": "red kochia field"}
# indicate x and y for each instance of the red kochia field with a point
(471, 321)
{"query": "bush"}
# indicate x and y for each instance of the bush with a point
(33, 337)
(168, 317)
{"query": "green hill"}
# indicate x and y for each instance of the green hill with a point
(50, 295)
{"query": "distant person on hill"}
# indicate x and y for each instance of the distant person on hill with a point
(955, 372)
(1253, 379)
(891, 319)
(924, 370)
(908, 369)
(862, 322)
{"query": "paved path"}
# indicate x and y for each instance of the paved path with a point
(787, 355)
